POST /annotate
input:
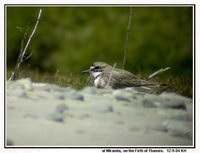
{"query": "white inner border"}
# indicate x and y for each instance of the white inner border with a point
(109, 2)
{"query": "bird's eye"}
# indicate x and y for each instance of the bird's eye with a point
(95, 68)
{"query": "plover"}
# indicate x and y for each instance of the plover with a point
(102, 73)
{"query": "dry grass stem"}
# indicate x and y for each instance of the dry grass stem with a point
(158, 72)
(127, 33)
(110, 75)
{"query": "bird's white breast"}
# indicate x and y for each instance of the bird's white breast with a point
(98, 81)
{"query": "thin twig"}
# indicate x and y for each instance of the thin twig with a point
(110, 75)
(23, 51)
(27, 57)
(39, 15)
(158, 72)
(127, 32)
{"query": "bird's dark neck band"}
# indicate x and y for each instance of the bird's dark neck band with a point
(97, 76)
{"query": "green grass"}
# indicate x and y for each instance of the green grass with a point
(77, 81)
(179, 84)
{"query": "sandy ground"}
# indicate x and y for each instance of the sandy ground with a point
(48, 115)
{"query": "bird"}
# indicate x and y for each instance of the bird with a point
(104, 75)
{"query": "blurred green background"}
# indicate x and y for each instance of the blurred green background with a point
(70, 39)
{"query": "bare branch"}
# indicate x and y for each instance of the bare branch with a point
(39, 15)
(23, 51)
(127, 33)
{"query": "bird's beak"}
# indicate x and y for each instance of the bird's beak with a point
(86, 71)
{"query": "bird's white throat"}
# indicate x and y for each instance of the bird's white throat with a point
(96, 74)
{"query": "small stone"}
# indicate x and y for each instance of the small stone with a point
(179, 129)
(173, 100)
(72, 94)
(57, 117)
(69, 94)
(148, 103)
(62, 97)
(61, 108)
(78, 97)
(173, 104)
(75, 96)
(122, 98)
(59, 114)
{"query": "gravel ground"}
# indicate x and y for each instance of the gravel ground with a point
(41, 114)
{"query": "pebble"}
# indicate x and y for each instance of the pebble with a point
(58, 117)
(75, 96)
(148, 103)
(178, 129)
(59, 114)
(126, 95)
(61, 108)
(173, 104)
(173, 101)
